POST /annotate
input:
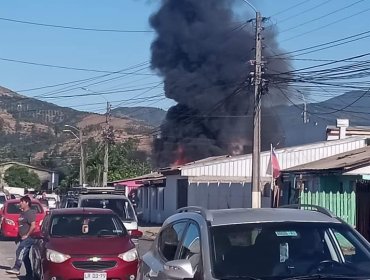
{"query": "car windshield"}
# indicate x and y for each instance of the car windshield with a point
(86, 226)
(278, 251)
(13, 208)
(120, 206)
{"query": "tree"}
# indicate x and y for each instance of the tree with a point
(20, 177)
(125, 161)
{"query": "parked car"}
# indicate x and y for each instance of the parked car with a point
(255, 244)
(119, 204)
(10, 214)
(84, 243)
(3, 198)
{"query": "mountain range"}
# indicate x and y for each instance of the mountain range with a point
(31, 128)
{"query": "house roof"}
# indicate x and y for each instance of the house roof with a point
(341, 162)
(226, 158)
(26, 165)
(149, 176)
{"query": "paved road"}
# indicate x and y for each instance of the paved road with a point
(7, 255)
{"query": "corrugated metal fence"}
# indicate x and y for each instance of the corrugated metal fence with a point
(341, 204)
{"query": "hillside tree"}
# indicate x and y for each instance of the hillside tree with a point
(20, 177)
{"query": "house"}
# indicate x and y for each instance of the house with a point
(49, 178)
(225, 181)
(132, 184)
(340, 183)
(343, 130)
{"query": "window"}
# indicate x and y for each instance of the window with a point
(86, 225)
(191, 250)
(13, 208)
(347, 248)
(169, 239)
(120, 206)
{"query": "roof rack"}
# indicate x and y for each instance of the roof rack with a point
(316, 208)
(196, 209)
(100, 190)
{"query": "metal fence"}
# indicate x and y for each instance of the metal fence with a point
(341, 204)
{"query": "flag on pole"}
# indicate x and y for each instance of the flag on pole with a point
(274, 166)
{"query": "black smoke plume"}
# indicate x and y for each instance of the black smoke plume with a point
(203, 52)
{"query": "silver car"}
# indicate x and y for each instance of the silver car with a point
(255, 244)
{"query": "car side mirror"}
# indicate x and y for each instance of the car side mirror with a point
(136, 234)
(179, 269)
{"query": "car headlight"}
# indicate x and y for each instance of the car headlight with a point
(10, 222)
(56, 257)
(129, 256)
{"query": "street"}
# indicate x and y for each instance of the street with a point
(7, 255)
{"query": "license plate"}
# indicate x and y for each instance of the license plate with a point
(95, 276)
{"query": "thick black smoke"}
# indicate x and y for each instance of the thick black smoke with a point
(203, 53)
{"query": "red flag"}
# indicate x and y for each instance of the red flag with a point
(274, 166)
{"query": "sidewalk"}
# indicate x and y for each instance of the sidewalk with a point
(149, 230)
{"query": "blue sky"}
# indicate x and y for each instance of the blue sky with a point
(114, 51)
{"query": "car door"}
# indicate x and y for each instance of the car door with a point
(164, 249)
(38, 251)
(190, 249)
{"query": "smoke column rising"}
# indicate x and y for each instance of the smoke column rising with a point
(202, 51)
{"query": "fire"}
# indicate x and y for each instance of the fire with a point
(180, 156)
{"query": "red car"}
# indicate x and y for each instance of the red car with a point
(10, 213)
(86, 244)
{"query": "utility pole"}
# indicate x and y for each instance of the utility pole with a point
(82, 154)
(256, 192)
(106, 148)
(82, 159)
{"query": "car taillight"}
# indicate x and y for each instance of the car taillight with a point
(9, 222)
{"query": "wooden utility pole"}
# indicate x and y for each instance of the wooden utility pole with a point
(256, 181)
(106, 148)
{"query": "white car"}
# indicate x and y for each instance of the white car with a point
(3, 198)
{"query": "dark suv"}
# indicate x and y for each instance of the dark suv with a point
(256, 244)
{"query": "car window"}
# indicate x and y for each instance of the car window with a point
(86, 226)
(169, 239)
(13, 208)
(286, 249)
(191, 250)
(2, 198)
(122, 207)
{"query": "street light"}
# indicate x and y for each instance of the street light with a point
(82, 158)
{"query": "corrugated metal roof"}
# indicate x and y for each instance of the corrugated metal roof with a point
(344, 161)
(241, 166)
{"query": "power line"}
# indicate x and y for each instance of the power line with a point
(324, 26)
(323, 44)
(321, 17)
(69, 68)
(291, 8)
(305, 11)
(74, 27)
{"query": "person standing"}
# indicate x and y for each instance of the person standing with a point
(26, 226)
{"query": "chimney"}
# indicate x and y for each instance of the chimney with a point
(342, 124)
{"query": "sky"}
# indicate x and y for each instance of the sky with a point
(117, 63)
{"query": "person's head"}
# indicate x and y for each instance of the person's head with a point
(25, 203)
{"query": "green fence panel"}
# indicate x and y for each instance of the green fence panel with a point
(342, 205)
